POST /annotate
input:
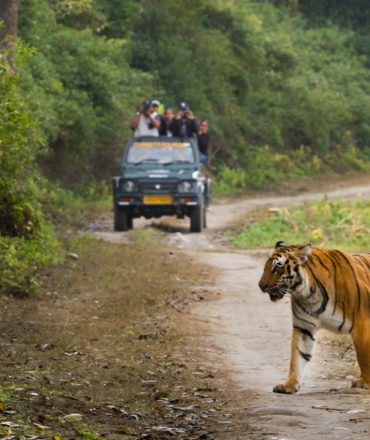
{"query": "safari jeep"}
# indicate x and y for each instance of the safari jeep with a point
(161, 176)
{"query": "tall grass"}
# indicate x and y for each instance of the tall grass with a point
(329, 223)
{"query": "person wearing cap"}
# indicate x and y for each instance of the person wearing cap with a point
(156, 104)
(146, 122)
(184, 125)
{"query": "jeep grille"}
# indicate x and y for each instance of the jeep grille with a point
(157, 185)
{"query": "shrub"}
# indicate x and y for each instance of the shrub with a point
(26, 240)
(260, 167)
(336, 223)
(21, 258)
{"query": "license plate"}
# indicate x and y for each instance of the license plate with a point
(157, 200)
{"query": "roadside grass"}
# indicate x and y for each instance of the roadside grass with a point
(146, 235)
(326, 223)
(264, 168)
(102, 343)
(68, 209)
(36, 241)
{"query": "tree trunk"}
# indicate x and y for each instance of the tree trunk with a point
(9, 26)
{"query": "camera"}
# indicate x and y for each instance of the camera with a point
(146, 107)
(185, 114)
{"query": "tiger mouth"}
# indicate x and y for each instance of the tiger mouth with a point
(275, 296)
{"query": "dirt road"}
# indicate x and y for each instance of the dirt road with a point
(121, 344)
(248, 337)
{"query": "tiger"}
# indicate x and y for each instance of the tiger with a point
(329, 289)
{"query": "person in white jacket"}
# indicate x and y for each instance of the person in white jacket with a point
(146, 122)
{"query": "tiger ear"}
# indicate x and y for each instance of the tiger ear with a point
(279, 244)
(304, 253)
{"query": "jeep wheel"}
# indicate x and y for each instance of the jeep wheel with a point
(197, 219)
(204, 217)
(130, 222)
(121, 219)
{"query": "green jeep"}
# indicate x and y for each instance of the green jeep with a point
(161, 176)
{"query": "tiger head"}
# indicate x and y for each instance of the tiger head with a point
(284, 270)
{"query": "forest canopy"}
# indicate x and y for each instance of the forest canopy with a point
(267, 74)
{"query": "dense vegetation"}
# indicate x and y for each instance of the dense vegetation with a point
(286, 92)
(328, 223)
(283, 90)
(284, 83)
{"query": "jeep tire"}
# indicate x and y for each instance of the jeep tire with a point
(197, 218)
(204, 216)
(122, 219)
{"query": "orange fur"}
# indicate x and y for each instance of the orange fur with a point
(329, 289)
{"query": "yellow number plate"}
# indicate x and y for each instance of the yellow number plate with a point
(157, 200)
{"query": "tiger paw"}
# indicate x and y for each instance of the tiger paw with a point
(360, 383)
(286, 388)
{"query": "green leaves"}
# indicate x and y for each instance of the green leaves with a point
(329, 223)
(286, 95)
(262, 75)
(26, 241)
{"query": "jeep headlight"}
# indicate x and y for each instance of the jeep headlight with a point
(129, 186)
(184, 186)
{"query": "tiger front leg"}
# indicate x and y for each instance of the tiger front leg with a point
(302, 348)
(361, 341)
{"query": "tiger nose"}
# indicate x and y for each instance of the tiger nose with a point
(263, 286)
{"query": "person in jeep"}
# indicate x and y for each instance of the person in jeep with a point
(166, 123)
(184, 125)
(203, 141)
(146, 122)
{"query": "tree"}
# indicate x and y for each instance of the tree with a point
(8, 32)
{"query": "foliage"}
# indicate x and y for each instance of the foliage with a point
(82, 88)
(263, 73)
(264, 167)
(86, 434)
(68, 209)
(329, 223)
(284, 83)
(266, 77)
(145, 236)
(21, 258)
(26, 240)
(20, 141)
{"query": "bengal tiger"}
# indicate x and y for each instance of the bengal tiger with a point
(329, 289)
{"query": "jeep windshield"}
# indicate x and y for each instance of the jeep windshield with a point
(162, 152)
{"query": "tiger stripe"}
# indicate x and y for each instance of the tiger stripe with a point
(328, 288)
(305, 332)
(306, 356)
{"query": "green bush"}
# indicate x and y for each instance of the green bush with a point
(285, 98)
(261, 74)
(334, 223)
(260, 167)
(26, 240)
(21, 259)
(82, 88)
